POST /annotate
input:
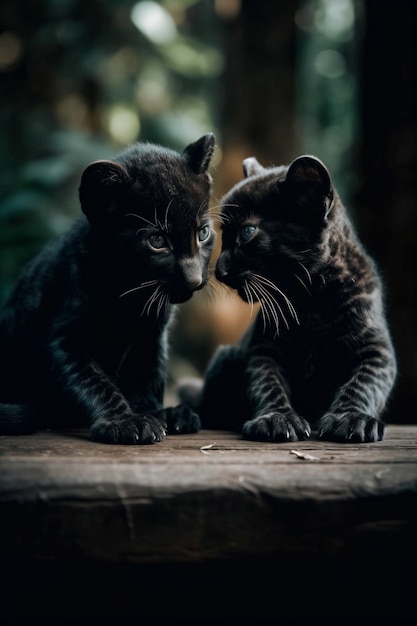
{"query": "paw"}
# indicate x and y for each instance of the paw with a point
(131, 430)
(182, 419)
(350, 427)
(277, 427)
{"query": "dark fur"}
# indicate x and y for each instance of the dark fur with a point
(319, 353)
(84, 334)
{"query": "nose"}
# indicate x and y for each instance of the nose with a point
(191, 270)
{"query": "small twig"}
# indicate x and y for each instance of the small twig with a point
(304, 456)
(207, 447)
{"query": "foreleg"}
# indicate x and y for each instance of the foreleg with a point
(355, 413)
(273, 419)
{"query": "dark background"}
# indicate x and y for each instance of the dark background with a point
(80, 81)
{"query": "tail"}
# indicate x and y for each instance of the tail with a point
(189, 391)
(18, 419)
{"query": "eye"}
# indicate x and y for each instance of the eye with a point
(157, 242)
(204, 233)
(247, 232)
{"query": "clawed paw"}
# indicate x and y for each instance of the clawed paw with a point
(350, 427)
(131, 430)
(277, 427)
(182, 419)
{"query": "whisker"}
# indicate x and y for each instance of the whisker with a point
(165, 228)
(266, 308)
(303, 284)
(150, 301)
(203, 208)
(268, 300)
(249, 296)
(306, 270)
(148, 283)
(140, 217)
(163, 302)
(212, 214)
(214, 285)
(222, 219)
(222, 291)
(209, 292)
(230, 204)
(262, 308)
(289, 304)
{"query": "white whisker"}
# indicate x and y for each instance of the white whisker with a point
(269, 301)
(163, 302)
(303, 284)
(288, 302)
(151, 300)
(306, 271)
(249, 297)
(140, 217)
(148, 283)
(265, 316)
(165, 228)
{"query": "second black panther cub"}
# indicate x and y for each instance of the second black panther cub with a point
(319, 354)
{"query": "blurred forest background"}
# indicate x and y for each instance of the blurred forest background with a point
(82, 79)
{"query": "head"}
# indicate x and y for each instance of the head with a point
(273, 226)
(150, 206)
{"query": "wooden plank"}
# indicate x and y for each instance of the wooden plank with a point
(200, 497)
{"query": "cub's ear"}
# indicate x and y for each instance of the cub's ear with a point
(102, 183)
(309, 185)
(251, 167)
(200, 152)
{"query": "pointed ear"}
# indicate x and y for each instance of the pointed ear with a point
(200, 152)
(308, 184)
(251, 167)
(102, 183)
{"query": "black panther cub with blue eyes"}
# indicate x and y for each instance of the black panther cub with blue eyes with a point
(84, 333)
(319, 354)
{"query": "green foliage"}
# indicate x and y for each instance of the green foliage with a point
(81, 80)
(327, 72)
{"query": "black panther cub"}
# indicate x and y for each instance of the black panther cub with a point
(319, 353)
(84, 333)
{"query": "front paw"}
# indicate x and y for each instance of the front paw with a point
(350, 427)
(132, 430)
(277, 427)
(182, 419)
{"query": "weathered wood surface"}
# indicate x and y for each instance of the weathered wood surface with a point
(195, 498)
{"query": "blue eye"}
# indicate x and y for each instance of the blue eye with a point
(204, 233)
(157, 242)
(247, 232)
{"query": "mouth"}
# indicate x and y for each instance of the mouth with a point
(180, 294)
(184, 292)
